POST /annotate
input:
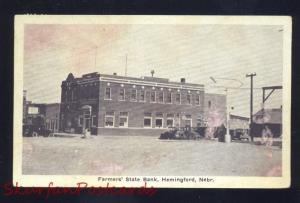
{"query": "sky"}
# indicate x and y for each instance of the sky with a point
(195, 52)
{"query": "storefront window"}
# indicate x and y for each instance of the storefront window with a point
(109, 119)
(123, 119)
(147, 120)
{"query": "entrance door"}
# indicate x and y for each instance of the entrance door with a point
(86, 111)
(87, 123)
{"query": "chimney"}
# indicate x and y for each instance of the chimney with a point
(182, 80)
(114, 73)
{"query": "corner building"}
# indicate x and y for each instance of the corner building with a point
(118, 105)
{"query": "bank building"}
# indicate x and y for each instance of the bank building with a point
(116, 105)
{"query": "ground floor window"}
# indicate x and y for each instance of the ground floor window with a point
(147, 120)
(109, 119)
(47, 124)
(52, 125)
(123, 119)
(159, 122)
(56, 125)
(187, 121)
(170, 120)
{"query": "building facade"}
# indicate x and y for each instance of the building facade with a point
(52, 112)
(271, 118)
(41, 114)
(112, 104)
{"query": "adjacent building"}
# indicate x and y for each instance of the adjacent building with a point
(112, 104)
(41, 114)
(52, 112)
(238, 125)
(267, 117)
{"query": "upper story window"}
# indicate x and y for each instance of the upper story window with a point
(66, 97)
(178, 98)
(122, 94)
(169, 98)
(133, 95)
(142, 95)
(161, 97)
(107, 93)
(152, 96)
(189, 99)
(197, 100)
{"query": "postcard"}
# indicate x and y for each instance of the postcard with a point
(152, 101)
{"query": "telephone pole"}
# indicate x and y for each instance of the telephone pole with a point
(251, 75)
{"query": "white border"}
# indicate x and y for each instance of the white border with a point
(219, 182)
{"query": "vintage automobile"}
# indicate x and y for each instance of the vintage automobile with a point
(30, 130)
(180, 133)
(240, 134)
(35, 126)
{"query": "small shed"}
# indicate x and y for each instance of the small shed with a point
(267, 117)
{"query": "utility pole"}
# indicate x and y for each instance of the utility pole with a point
(251, 75)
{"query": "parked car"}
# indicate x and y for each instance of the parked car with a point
(34, 131)
(181, 133)
(239, 134)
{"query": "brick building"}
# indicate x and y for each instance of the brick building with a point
(112, 104)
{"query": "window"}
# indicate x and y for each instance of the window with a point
(169, 98)
(187, 121)
(123, 119)
(72, 95)
(161, 97)
(66, 97)
(189, 99)
(133, 95)
(122, 95)
(159, 120)
(52, 125)
(209, 104)
(147, 120)
(152, 96)
(170, 120)
(80, 121)
(94, 121)
(56, 124)
(197, 99)
(107, 93)
(178, 98)
(47, 123)
(142, 95)
(109, 119)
